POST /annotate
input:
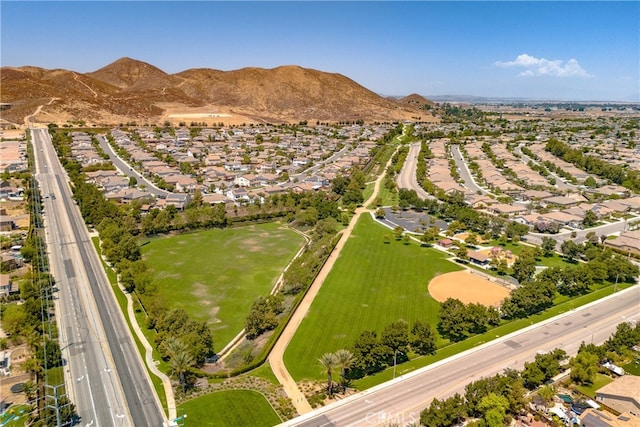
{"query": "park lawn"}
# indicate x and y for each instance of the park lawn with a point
(231, 408)
(215, 275)
(554, 260)
(372, 284)
(562, 305)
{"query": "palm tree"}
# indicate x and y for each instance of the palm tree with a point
(180, 364)
(30, 390)
(328, 361)
(344, 360)
(33, 366)
(180, 360)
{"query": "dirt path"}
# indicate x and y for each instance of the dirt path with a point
(277, 353)
(28, 120)
(75, 76)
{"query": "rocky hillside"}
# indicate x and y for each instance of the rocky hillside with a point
(129, 90)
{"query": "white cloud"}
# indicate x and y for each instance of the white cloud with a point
(545, 67)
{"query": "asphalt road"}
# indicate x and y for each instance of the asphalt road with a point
(560, 183)
(400, 401)
(407, 176)
(104, 373)
(463, 169)
(126, 169)
(313, 169)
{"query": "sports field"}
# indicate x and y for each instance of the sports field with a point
(232, 408)
(216, 274)
(372, 284)
(468, 288)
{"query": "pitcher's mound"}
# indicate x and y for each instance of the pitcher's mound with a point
(467, 287)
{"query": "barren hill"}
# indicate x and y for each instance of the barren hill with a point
(129, 90)
(415, 100)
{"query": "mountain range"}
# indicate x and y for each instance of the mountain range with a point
(131, 90)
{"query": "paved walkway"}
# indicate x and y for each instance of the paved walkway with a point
(277, 353)
(151, 364)
(148, 354)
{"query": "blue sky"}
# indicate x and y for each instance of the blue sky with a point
(543, 50)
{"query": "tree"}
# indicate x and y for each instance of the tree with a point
(49, 354)
(590, 182)
(423, 339)
(462, 253)
(547, 393)
(430, 235)
(548, 246)
(472, 239)
(369, 355)
(544, 367)
(406, 239)
(328, 362)
(528, 299)
(380, 213)
(584, 368)
(524, 268)
(30, 390)
(344, 360)
(532, 375)
(571, 250)
(624, 338)
(180, 359)
(398, 232)
(14, 319)
(444, 413)
(263, 315)
(494, 408)
(396, 336)
(590, 219)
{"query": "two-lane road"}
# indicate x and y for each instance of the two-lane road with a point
(401, 400)
(407, 177)
(126, 169)
(104, 373)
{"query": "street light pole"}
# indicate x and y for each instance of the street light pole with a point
(395, 355)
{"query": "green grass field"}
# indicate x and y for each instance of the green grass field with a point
(233, 408)
(15, 416)
(590, 390)
(633, 368)
(215, 275)
(371, 285)
(500, 331)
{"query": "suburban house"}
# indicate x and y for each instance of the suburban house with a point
(621, 394)
(629, 242)
(562, 218)
(238, 194)
(7, 286)
(596, 418)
